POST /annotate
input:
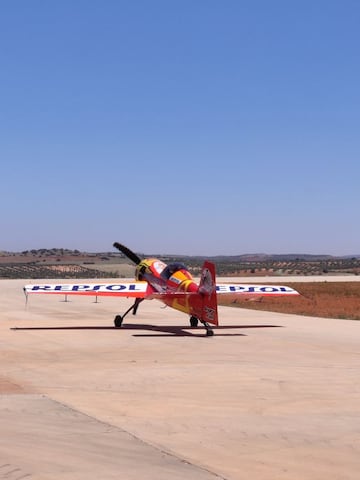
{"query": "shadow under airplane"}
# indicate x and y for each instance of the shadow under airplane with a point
(159, 330)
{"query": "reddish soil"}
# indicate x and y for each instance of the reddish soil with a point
(318, 299)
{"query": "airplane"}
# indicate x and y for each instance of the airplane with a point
(172, 284)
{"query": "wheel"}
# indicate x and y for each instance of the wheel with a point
(209, 333)
(194, 321)
(118, 321)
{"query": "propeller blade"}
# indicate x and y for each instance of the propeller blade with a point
(128, 253)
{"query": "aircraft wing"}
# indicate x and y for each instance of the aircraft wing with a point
(121, 289)
(227, 292)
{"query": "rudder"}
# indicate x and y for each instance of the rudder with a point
(207, 290)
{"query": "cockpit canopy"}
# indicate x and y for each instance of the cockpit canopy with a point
(172, 268)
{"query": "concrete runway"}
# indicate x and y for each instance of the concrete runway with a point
(270, 396)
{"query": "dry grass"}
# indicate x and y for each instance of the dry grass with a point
(318, 299)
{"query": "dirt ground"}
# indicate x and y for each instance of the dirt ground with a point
(270, 396)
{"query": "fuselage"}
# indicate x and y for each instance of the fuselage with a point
(173, 278)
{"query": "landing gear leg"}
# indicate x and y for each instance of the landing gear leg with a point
(119, 319)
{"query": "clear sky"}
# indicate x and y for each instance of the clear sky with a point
(191, 127)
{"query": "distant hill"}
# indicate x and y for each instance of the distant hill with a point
(247, 257)
(262, 257)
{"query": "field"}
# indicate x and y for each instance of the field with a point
(318, 299)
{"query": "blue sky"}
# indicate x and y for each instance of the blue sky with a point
(192, 127)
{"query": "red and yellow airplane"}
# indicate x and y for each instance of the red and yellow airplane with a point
(174, 285)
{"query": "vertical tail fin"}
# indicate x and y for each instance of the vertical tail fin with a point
(206, 301)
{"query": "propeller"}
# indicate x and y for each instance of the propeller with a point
(128, 253)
